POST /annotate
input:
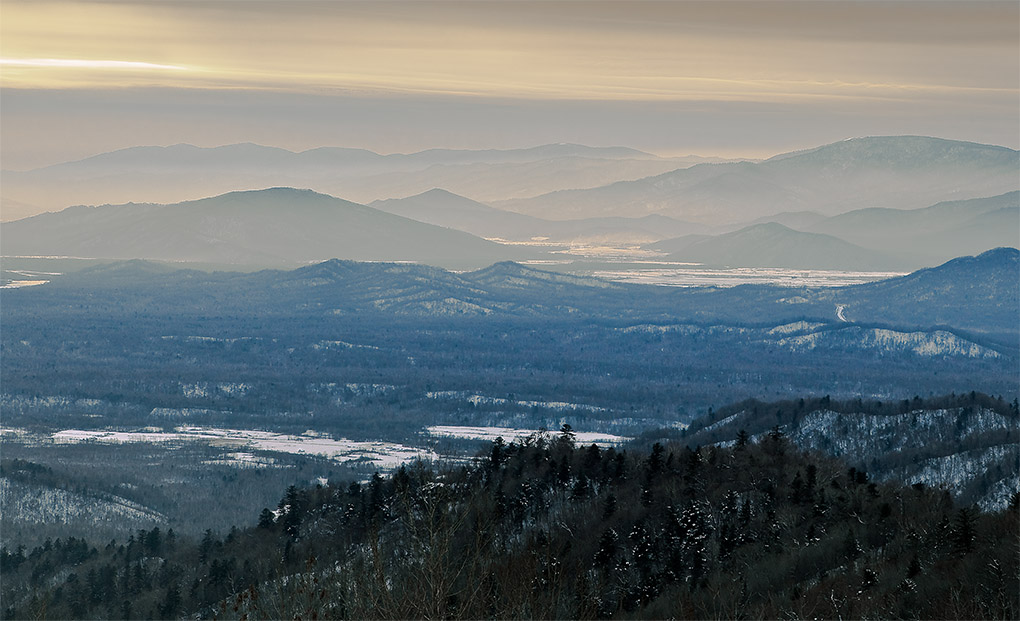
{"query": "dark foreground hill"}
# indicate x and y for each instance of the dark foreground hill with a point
(544, 529)
(964, 443)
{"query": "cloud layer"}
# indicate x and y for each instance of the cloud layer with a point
(938, 60)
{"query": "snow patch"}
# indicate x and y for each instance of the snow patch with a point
(327, 345)
(797, 326)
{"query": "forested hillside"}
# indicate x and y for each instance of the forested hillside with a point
(966, 443)
(546, 529)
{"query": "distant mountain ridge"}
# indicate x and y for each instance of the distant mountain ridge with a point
(277, 226)
(931, 234)
(887, 171)
(243, 154)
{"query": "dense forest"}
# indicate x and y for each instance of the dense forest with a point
(546, 529)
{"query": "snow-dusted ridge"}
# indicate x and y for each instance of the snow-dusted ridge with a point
(510, 434)
(970, 450)
(477, 400)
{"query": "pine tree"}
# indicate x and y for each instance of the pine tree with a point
(266, 519)
(962, 534)
(607, 548)
(171, 603)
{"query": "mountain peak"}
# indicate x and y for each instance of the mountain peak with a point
(994, 260)
(279, 191)
(770, 227)
(439, 192)
(1003, 254)
(895, 148)
(426, 205)
(996, 257)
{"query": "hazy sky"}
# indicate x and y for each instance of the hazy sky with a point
(719, 78)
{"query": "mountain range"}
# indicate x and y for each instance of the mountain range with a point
(974, 297)
(285, 226)
(799, 210)
(181, 172)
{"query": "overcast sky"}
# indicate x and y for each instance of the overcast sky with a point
(719, 78)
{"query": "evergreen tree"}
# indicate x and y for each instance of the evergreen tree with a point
(962, 534)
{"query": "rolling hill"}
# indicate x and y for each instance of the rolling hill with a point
(443, 208)
(447, 209)
(980, 294)
(774, 245)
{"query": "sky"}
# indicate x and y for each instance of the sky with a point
(720, 78)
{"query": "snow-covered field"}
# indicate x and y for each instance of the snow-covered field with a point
(244, 459)
(15, 284)
(377, 454)
(509, 434)
(688, 275)
(13, 279)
